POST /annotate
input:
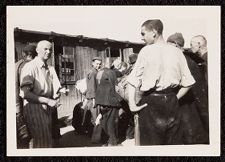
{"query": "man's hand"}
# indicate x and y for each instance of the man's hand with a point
(93, 103)
(63, 90)
(132, 102)
(182, 92)
(52, 102)
(97, 121)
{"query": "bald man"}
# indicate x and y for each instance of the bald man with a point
(39, 88)
(199, 47)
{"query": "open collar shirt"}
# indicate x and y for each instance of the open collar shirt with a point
(40, 78)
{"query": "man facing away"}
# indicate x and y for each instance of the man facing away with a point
(161, 72)
(39, 88)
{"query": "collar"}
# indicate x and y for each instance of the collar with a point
(93, 69)
(40, 63)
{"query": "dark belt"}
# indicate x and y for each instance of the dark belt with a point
(165, 92)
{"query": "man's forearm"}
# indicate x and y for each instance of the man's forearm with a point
(31, 97)
(132, 101)
(182, 92)
(131, 96)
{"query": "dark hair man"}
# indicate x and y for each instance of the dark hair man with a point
(160, 70)
(23, 137)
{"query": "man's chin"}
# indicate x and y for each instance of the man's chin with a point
(47, 58)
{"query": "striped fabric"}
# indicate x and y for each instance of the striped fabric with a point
(42, 81)
(39, 122)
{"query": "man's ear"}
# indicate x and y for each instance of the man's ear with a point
(37, 50)
(154, 33)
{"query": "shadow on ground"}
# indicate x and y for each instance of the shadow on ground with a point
(70, 138)
(73, 139)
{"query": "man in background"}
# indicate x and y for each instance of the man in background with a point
(199, 47)
(194, 105)
(91, 93)
(23, 137)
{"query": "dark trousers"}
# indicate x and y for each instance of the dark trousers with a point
(192, 127)
(109, 123)
(160, 120)
(90, 107)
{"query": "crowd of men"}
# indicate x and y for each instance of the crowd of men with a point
(164, 89)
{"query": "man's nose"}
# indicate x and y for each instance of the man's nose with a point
(48, 51)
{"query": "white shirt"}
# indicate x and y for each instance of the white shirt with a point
(161, 66)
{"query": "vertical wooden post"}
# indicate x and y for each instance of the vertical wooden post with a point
(53, 54)
(74, 61)
(64, 60)
(121, 55)
(110, 61)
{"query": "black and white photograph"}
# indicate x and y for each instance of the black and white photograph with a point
(113, 80)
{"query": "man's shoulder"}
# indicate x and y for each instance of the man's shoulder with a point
(92, 70)
(172, 48)
(156, 48)
(160, 46)
(19, 62)
(29, 66)
(147, 49)
(51, 68)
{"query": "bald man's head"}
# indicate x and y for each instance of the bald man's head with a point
(44, 50)
(198, 44)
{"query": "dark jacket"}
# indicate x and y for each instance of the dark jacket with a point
(105, 93)
(91, 84)
(199, 91)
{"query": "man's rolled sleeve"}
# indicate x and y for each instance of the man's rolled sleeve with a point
(26, 78)
(187, 79)
(135, 76)
(133, 79)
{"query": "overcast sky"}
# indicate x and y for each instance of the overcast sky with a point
(118, 22)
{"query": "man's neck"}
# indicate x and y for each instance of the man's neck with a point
(159, 39)
(28, 58)
(94, 68)
(203, 51)
(43, 60)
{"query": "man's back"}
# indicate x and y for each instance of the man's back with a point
(162, 66)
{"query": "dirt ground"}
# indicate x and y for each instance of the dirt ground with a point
(72, 139)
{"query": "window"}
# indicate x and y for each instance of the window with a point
(67, 64)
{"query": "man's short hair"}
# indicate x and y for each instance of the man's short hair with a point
(133, 58)
(176, 38)
(154, 24)
(123, 64)
(30, 50)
